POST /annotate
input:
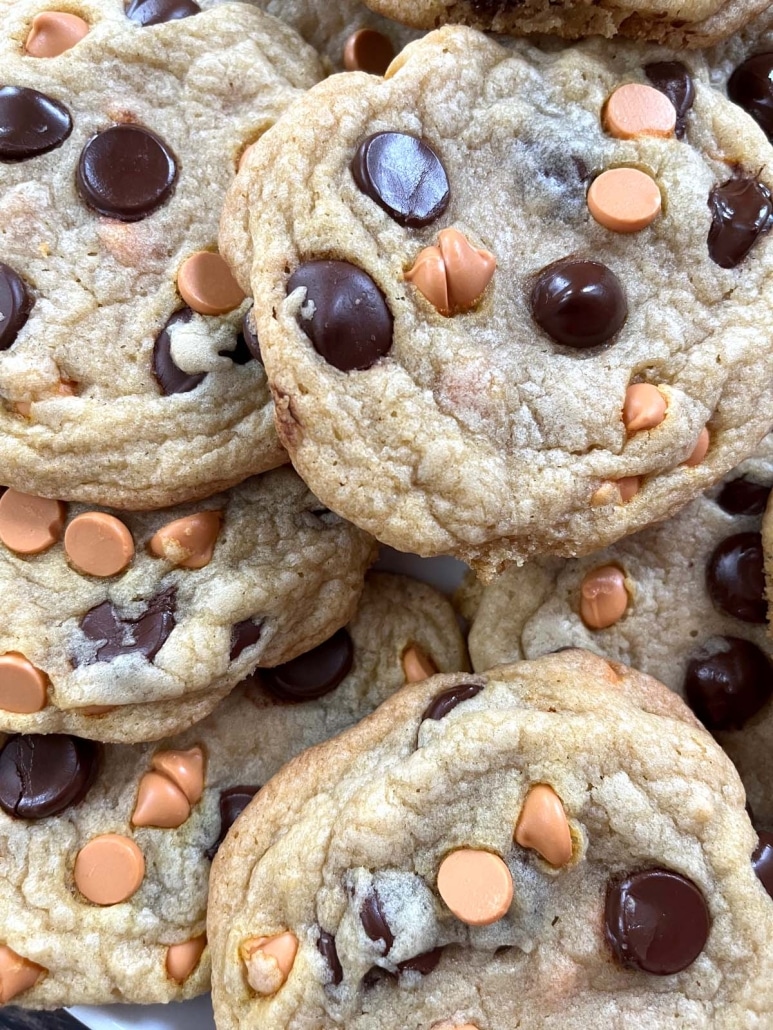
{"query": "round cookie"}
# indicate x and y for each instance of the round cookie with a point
(132, 626)
(508, 430)
(741, 67)
(673, 22)
(554, 844)
(128, 376)
(150, 817)
(683, 601)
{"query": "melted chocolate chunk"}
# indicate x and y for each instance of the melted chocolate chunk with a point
(727, 682)
(751, 87)
(244, 635)
(656, 921)
(155, 12)
(15, 305)
(326, 945)
(741, 211)
(423, 964)
(351, 326)
(232, 803)
(250, 336)
(126, 172)
(41, 776)
(762, 861)
(735, 578)
(446, 702)
(171, 377)
(314, 674)
(145, 634)
(674, 80)
(374, 921)
(579, 304)
(743, 496)
(404, 176)
(31, 123)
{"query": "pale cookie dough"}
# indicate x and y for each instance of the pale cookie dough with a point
(505, 429)
(97, 402)
(170, 804)
(177, 607)
(683, 601)
(676, 23)
(742, 66)
(460, 858)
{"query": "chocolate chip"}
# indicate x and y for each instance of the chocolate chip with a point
(741, 210)
(244, 635)
(232, 803)
(15, 305)
(171, 377)
(673, 79)
(762, 861)
(404, 176)
(126, 172)
(351, 326)
(41, 776)
(656, 921)
(735, 578)
(374, 921)
(145, 634)
(248, 340)
(743, 496)
(242, 353)
(154, 12)
(313, 674)
(31, 123)
(326, 945)
(727, 682)
(579, 304)
(449, 699)
(751, 87)
(423, 964)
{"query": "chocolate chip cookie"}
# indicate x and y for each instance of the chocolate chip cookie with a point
(107, 849)
(130, 372)
(742, 66)
(683, 601)
(552, 844)
(131, 626)
(496, 331)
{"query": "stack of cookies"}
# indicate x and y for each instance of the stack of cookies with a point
(283, 280)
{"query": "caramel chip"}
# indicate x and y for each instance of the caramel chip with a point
(185, 769)
(182, 959)
(98, 544)
(644, 407)
(616, 491)
(188, 542)
(543, 826)
(604, 599)
(54, 32)
(109, 869)
(23, 687)
(417, 666)
(624, 200)
(160, 803)
(65, 388)
(476, 886)
(368, 51)
(701, 449)
(636, 110)
(17, 974)
(269, 961)
(30, 525)
(453, 275)
(207, 285)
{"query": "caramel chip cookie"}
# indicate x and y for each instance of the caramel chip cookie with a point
(683, 601)
(131, 626)
(552, 844)
(511, 303)
(103, 890)
(130, 371)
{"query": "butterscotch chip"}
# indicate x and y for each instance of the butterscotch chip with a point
(23, 688)
(207, 285)
(603, 597)
(109, 869)
(54, 32)
(182, 959)
(160, 803)
(30, 525)
(476, 886)
(183, 768)
(701, 448)
(644, 407)
(98, 544)
(417, 665)
(17, 974)
(543, 825)
(454, 274)
(188, 542)
(624, 200)
(269, 961)
(637, 110)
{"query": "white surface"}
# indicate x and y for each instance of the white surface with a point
(443, 573)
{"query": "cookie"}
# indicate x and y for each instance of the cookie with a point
(683, 601)
(104, 889)
(553, 844)
(741, 67)
(673, 22)
(527, 373)
(128, 374)
(132, 626)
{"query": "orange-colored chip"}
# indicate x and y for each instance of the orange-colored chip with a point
(543, 826)
(624, 200)
(109, 869)
(98, 544)
(417, 666)
(30, 525)
(17, 974)
(182, 959)
(160, 803)
(188, 542)
(207, 285)
(636, 110)
(54, 32)
(269, 961)
(644, 407)
(476, 886)
(604, 599)
(701, 448)
(23, 687)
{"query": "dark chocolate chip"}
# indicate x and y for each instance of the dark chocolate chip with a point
(326, 945)
(579, 304)
(171, 377)
(126, 172)
(243, 353)
(368, 50)
(31, 123)
(374, 921)
(41, 776)
(232, 803)
(762, 861)
(735, 578)
(673, 79)
(727, 682)
(743, 496)
(155, 12)
(250, 335)
(741, 210)
(313, 674)
(351, 326)
(15, 305)
(449, 699)
(404, 176)
(145, 634)
(656, 921)
(244, 635)
(751, 87)
(423, 964)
